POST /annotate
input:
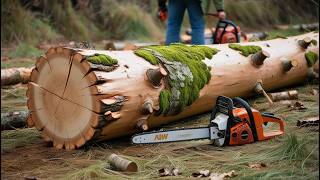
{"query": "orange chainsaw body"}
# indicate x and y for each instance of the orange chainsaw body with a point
(241, 133)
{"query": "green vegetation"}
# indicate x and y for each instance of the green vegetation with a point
(245, 50)
(311, 58)
(25, 50)
(102, 59)
(266, 13)
(187, 73)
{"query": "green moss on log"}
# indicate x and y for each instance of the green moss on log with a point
(187, 73)
(102, 59)
(311, 58)
(245, 50)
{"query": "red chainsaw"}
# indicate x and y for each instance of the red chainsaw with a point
(232, 122)
(226, 31)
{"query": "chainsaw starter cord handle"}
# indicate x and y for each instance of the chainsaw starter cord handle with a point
(247, 107)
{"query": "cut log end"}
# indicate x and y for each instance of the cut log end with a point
(258, 58)
(61, 100)
(155, 76)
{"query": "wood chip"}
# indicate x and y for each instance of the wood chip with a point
(167, 172)
(314, 92)
(257, 166)
(164, 172)
(176, 172)
(217, 176)
(297, 106)
(201, 173)
(311, 121)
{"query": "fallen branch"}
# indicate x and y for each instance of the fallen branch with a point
(122, 164)
(285, 95)
(13, 120)
(15, 75)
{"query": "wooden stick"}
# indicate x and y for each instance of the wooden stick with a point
(122, 164)
(258, 58)
(15, 75)
(258, 89)
(285, 95)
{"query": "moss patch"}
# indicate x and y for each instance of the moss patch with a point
(187, 74)
(245, 50)
(311, 58)
(102, 59)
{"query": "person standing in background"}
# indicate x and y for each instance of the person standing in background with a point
(175, 13)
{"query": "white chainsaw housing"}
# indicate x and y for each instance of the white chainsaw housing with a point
(221, 122)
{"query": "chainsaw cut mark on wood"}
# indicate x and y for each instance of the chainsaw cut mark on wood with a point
(69, 121)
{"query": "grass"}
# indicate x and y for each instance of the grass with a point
(25, 50)
(11, 139)
(13, 98)
(292, 156)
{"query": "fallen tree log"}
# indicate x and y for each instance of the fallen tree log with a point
(78, 95)
(14, 76)
(13, 120)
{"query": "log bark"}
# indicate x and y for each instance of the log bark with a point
(73, 102)
(13, 120)
(14, 76)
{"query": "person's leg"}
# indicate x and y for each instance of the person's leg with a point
(196, 21)
(176, 10)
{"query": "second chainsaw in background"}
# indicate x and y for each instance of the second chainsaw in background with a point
(226, 31)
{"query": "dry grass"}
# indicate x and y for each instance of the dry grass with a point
(294, 155)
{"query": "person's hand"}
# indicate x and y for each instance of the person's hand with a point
(222, 15)
(163, 15)
(162, 10)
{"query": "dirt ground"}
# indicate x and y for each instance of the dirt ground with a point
(295, 155)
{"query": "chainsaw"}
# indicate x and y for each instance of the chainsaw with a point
(232, 122)
(226, 31)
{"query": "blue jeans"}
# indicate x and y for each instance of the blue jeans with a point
(176, 9)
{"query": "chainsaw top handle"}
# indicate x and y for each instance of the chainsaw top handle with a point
(224, 24)
(242, 103)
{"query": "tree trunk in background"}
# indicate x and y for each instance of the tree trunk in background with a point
(13, 120)
(72, 100)
(15, 75)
